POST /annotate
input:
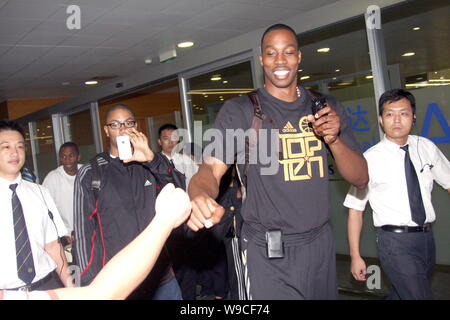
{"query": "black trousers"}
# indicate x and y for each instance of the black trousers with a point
(408, 260)
(50, 282)
(307, 271)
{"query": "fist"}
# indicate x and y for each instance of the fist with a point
(173, 205)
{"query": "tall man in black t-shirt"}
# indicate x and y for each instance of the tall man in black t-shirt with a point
(287, 211)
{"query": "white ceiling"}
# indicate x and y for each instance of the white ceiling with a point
(38, 52)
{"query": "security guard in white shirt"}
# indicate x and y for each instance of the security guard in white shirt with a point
(402, 169)
(29, 223)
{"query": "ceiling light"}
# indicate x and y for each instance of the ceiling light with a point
(408, 54)
(220, 91)
(369, 77)
(416, 28)
(148, 61)
(426, 84)
(300, 70)
(65, 83)
(91, 82)
(337, 70)
(185, 44)
(304, 77)
(216, 77)
(323, 50)
(334, 78)
(344, 83)
(225, 81)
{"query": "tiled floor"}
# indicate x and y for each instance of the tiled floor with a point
(350, 289)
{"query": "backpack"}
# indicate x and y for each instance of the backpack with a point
(167, 173)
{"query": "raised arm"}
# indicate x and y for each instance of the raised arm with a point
(203, 189)
(128, 268)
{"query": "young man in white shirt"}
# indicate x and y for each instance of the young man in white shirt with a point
(167, 140)
(29, 223)
(60, 183)
(401, 203)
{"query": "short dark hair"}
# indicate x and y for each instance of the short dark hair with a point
(167, 126)
(278, 26)
(117, 107)
(70, 144)
(396, 95)
(11, 125)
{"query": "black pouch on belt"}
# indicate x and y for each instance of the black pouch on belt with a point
(274, 244)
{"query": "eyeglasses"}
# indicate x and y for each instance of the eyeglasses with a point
(117, 124)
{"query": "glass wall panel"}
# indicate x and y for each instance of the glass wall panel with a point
(79, 130)
(336, 61)
(417, 36)
(207, 92)
(417, 42)
(28, 150)
(152, 106)
(45, 147)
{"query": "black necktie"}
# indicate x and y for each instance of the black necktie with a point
(25, 264)
(414, 195)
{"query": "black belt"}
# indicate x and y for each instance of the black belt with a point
(37, 284)
(404, 229)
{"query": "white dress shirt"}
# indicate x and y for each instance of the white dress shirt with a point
(41, 230)
(61, 185)
(184, 164)
(387, 190)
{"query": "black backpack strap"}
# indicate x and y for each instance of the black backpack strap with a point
(95, 182)
(96, 177)
(95, 215)
(258, 118)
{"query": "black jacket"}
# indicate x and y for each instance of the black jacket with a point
(126, 205)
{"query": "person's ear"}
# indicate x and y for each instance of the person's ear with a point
(106, 130)
(380, 121)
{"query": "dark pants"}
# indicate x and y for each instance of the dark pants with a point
(307, 271)
(408, 260)
(50, 282)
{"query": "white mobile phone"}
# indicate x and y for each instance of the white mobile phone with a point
(124, 147)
